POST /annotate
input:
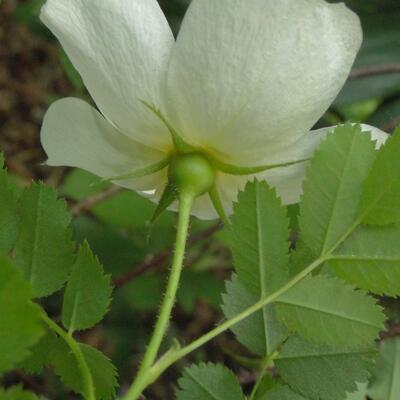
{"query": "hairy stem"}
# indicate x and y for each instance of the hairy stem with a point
(175, 354)
(88, 385)
(141, 381)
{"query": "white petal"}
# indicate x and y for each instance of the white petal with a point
(76, 135)
(377, 134)
(250, 77)
(288, 181)
(121, 48)
(202, 207)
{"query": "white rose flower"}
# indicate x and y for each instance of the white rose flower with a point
(243, 85)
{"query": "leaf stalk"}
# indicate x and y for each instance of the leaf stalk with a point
(88, 385)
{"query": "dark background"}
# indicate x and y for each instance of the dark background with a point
(34, 72)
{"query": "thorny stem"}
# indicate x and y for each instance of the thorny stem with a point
(141, 381)
(88, 385)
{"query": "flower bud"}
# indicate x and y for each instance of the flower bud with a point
(191, 173)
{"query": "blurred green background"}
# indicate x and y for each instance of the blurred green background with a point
(34, 71)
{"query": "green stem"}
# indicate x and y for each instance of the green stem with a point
(266, 362)
(257, 385)
(88, 384)
(249, 311)
(174, 355)
(141, 381)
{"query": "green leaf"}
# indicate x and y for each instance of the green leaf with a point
(260, 332)
(379, 204)
(326, 310)
(40, 354)
(320, 372)
(20, 321)
(8, 210)
(17, 393)
(44, 250)
(209, 382)
(333, 186)
(88, 293)
(260, 239)
(103, 372)
(385, 383)
(370, 259)
(281, 393)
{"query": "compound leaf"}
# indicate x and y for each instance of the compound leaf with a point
(88, 292)
(326, 310)
(209, 382)
(20, 321)
(44, 250)
(380, 198)
(320, 372)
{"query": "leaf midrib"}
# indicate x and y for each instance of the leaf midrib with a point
(338, 192)
(305, 356)
(261, 267)
(349, 257)
(74, 311)
(327, 312)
